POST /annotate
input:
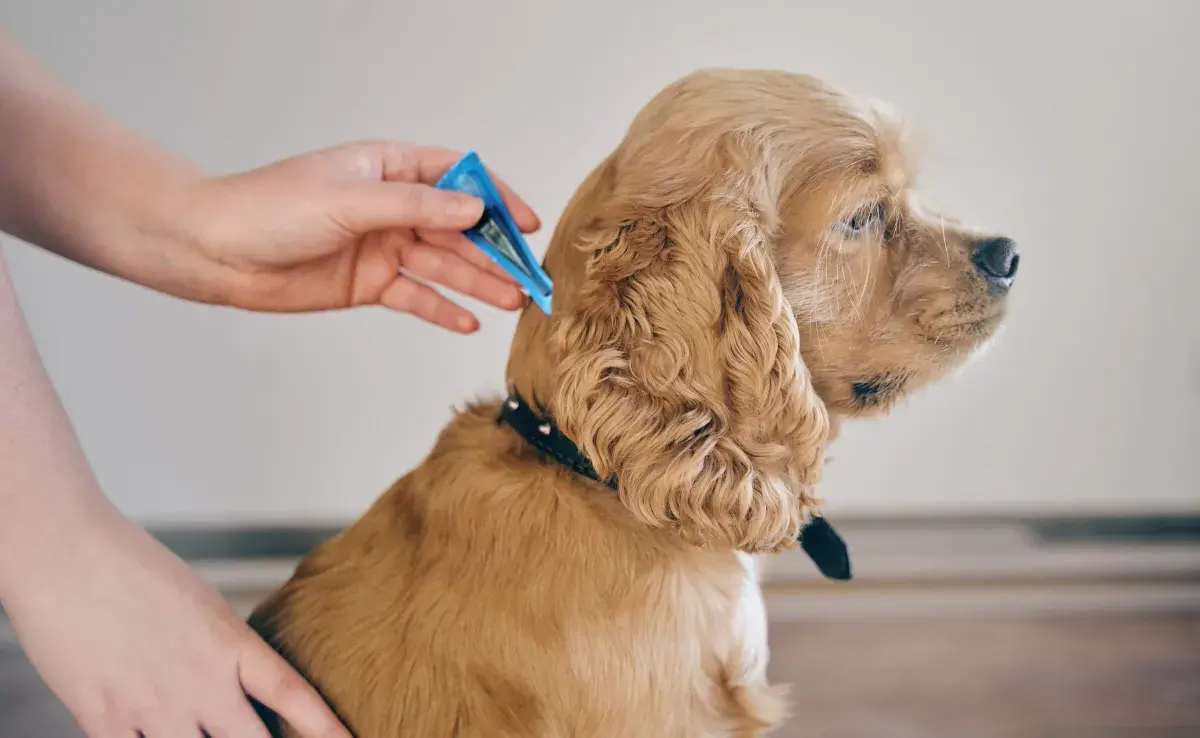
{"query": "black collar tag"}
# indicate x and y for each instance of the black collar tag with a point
(818, 538)
(826, 548)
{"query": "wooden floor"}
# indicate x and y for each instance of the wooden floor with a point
(1049, 678)
(1103, 677)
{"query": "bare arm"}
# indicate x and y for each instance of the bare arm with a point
(47, 490)
(78, 183)
(128, 637)
(341, 227)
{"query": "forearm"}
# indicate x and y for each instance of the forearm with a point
(78, 183)
(47, 489)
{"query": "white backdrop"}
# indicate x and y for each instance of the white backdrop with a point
(1070, 125)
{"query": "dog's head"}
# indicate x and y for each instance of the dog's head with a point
(747, 267)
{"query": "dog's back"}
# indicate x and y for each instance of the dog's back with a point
(486, 594)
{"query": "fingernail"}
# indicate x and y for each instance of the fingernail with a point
(466, 207)
(466, 324)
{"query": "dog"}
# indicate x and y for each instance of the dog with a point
(747, 269)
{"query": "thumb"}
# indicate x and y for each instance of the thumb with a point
(270, 680)
(373, 206)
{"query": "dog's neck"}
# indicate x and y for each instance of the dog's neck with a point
(530, 371)
(818, 539)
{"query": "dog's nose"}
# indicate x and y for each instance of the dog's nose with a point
(996, 259)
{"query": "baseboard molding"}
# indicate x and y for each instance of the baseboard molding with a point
(1011, 600)
(904, 566)
(227, 541)
(1010, 550)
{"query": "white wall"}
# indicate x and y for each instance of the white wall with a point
(1071, 126)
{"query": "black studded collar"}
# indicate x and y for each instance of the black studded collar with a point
(818, 538)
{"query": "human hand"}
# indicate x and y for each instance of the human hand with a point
(359, 224)
(133, 642)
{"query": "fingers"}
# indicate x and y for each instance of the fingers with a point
(149, 722)
(373, 206)
(407, 295)
(464, 247)
(449, 269)
(427, 164)
(522, 214)
(265, 676)
(235, 719)
(173, 730)
(239, 720)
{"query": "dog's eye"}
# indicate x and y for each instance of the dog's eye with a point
(864, 220)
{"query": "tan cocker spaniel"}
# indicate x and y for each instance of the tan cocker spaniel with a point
(746, 269)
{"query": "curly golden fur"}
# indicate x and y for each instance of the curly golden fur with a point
(746, 269)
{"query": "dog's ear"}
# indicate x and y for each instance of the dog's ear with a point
(679, 369)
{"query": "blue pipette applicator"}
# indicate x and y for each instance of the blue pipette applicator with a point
(496, 233)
